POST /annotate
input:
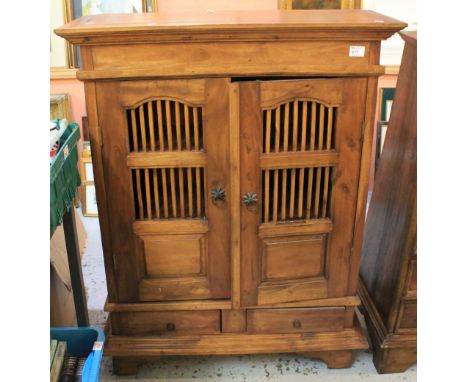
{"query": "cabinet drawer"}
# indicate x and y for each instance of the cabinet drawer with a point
(297, 320)
(170, 323)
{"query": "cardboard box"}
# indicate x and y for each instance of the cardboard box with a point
(62, 307)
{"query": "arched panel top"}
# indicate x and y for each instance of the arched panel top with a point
(288, 100)
(159, 124)
(327, 92)
(163, 98)
(187, 91)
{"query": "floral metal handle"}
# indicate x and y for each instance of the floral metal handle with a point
(250, 198)
(217, 194)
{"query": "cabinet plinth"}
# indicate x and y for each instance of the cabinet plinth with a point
(231, 168)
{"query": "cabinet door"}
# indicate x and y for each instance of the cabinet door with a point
(300, 149)
(165, 158)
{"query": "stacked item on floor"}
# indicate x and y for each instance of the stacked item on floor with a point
(75, 354)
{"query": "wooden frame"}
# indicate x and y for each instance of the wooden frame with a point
(291, 4)
(150, 5)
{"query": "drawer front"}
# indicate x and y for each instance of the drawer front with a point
(170, 323)
(295, 320)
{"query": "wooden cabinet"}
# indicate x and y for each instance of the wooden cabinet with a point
(231, 167)
(388, 269)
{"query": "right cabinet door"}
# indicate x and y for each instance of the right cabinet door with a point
(300, 151)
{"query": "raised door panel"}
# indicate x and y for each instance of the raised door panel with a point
(300, 148)
(165, 153)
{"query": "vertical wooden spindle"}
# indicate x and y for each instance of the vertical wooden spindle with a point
(139, 196)
(178, 127)
(286, 128)
(156, 193)
(277, 130)
(295, 126)
(134, 130)
(266, 203)
(164, 187)
(304, 125)
(190, 191)
(181, 192)
(195, 127)
(317, 192)
(173, 192)
(329, 127)
(275, 196)
(321, 127)
(313, 126)
(141, 111)
(300, 193)
(268, 132)
(170, 147)
(188, 144)
(198, 185)
(169, 124)
(151, 125)
(310, 185)
(160, 125)
(149, 211)
(283, 194)
(302, 170)
(325, 191)
(292, 189)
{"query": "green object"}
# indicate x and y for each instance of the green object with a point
(58, 361)
(64, 175)
(53, 348)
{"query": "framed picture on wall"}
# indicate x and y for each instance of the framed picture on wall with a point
(319, 4)
(61, 51)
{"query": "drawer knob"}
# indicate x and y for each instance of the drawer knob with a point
(297, 324)
(217, 194)
(170, 327)
(250, 200)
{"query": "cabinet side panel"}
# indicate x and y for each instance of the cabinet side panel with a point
(390, 233)
(95, 138)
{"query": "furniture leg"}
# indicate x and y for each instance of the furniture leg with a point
(74, 263)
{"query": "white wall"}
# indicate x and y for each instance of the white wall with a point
(403, 10)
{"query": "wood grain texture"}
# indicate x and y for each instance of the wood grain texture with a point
(170, 323)
(139, 346)
(295, 320)
(233, 321)
(259, 25)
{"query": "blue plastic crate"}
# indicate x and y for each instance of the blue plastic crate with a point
(83, 342)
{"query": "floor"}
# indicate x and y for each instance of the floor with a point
(275, 367)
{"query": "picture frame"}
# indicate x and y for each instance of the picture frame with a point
(319, 4)
(74, 9)
(61, 51)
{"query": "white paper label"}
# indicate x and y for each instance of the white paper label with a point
(98, 345)
(65, 152)
(357, 51)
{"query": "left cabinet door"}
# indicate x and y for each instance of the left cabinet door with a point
(165, 160)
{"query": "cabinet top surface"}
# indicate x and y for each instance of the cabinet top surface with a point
(232, 25)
